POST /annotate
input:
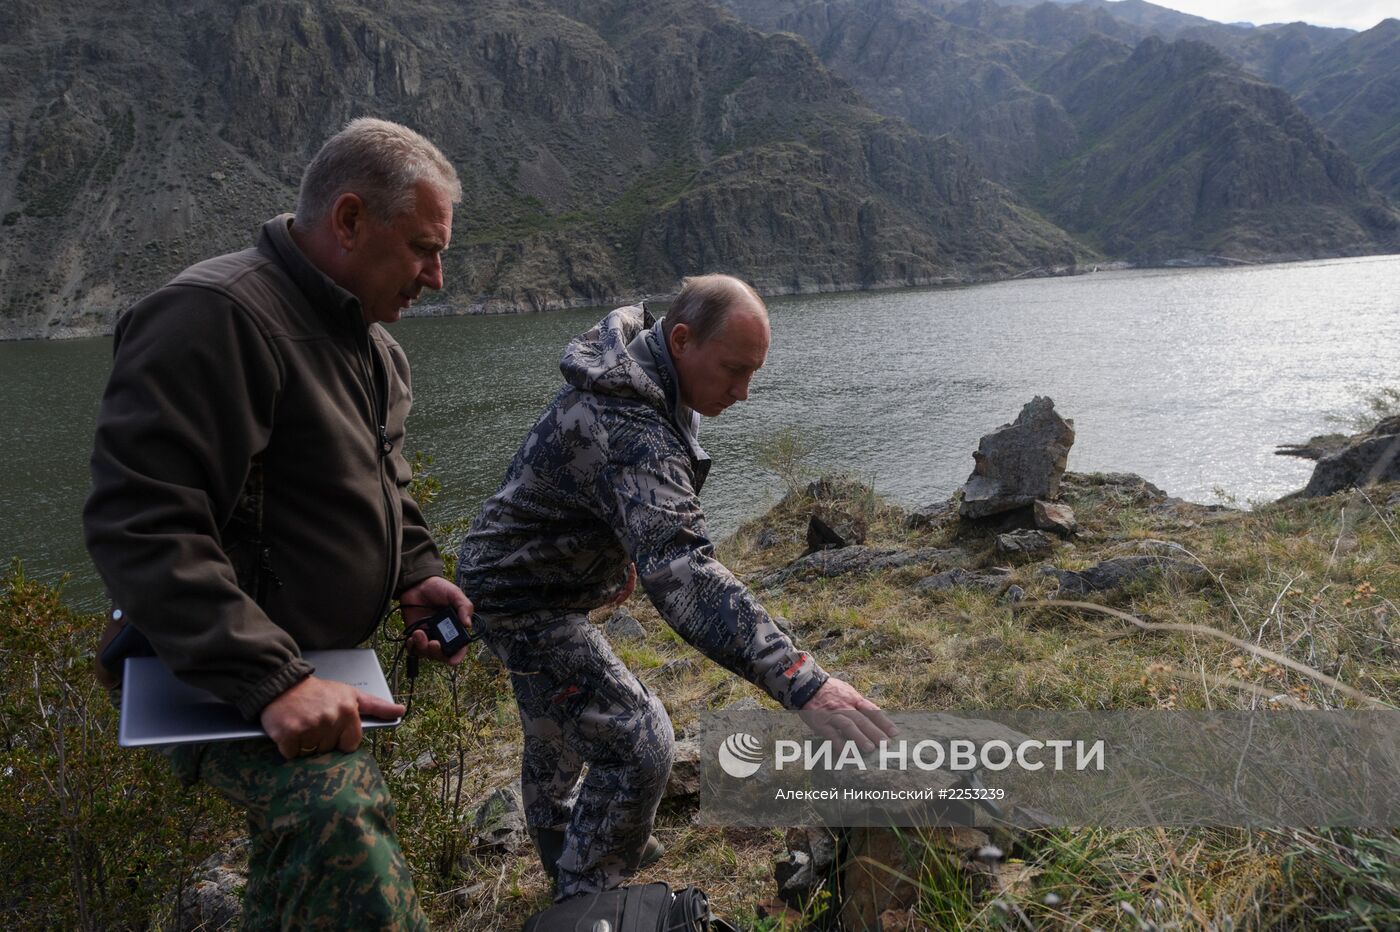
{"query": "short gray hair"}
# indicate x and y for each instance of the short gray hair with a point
(705, 301)
(380, 161)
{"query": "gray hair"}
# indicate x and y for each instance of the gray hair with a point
(705, 301)
(380, 161)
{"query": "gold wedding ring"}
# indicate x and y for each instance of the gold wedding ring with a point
(306, 750)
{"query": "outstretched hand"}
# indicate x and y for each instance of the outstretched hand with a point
(838, 711)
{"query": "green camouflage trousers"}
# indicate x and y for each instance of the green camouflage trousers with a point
(324, 853)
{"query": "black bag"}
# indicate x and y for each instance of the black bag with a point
(650, 907)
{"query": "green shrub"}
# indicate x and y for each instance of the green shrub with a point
(92, 836)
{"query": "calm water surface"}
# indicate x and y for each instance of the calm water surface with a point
(1188, 377)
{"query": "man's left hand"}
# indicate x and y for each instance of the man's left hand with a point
(838, 711)
(418, 602)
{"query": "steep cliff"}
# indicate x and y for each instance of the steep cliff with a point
(1352, 90)
(605, 149)
(1173, 152)
(1185, 155)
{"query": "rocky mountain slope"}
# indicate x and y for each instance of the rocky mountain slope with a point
(1352, 90)
(605, 150)
(1174, 151)
(1181, 154)
(608, 148)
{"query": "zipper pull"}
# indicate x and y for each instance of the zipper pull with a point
(385, 447)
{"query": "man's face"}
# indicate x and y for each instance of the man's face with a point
(391, 262)
(716, 373)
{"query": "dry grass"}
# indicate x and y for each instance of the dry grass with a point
(1297, 609)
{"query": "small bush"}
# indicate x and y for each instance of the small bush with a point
(92, 836)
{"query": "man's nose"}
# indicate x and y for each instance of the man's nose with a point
(740, 390)
(431, 276)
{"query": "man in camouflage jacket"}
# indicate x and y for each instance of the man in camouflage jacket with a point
(610, 476)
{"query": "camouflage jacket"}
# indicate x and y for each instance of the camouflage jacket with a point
(611, 472)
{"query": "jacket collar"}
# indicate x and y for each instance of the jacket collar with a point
(325, 295)
(649, 349)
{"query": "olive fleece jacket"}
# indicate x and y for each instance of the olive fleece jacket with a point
(249, 490)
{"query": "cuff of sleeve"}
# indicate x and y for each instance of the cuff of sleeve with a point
(795, 685)
(254, 700)
(425, 568)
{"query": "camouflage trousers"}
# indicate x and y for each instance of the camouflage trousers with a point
(580, 705)
(324, 853)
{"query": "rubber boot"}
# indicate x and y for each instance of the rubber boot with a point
(549, 842)
(652, 852)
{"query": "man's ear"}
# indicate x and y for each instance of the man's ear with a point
(347, 220)
(680, 340)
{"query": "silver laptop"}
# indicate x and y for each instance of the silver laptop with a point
(158, 709)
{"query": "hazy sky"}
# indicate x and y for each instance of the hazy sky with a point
(1353, 14)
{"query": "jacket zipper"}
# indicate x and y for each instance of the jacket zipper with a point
(378, 391)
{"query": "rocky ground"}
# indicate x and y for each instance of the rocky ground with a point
(953, 606)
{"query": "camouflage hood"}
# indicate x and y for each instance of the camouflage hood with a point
(625, 356)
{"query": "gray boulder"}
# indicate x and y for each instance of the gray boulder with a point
(1055, 517)
(499, 823)
(1019, 462)
(1024, 545)
(622, 626)
(213, 899)
(684, 780)
(1373, 456)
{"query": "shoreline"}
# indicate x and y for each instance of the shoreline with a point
(503, 306)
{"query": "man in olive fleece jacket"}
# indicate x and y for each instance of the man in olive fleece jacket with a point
(250, 502)
(608, 477)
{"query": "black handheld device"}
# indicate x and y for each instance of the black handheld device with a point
(444, 627)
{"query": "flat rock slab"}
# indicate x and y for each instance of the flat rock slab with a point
(854, 559)
(1019, 462)
(932, 516)
(988, 580)
(1117, 572)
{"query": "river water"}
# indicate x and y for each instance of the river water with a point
(1188, 377)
